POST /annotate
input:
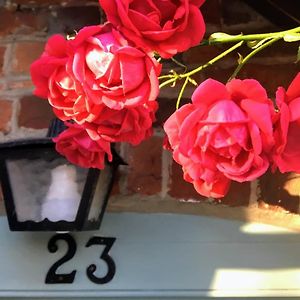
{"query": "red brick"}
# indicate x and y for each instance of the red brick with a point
(211, 12)
(21, 22)
(25, 54)
(2, 52)
(181, 189)
(280, 191)
(2, 86)
(67, 19)
(5, 115)
(145, 167)
(201, 54)
(166, 108)
(35, 113)
(116, 187)
(236, 12)
(33, 3)
(238, 194)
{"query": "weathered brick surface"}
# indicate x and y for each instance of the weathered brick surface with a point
(26, 24)
(144, 164)
(35, 113)
(19, 84)
(212, 12)
(66, 20)
(239, 17)
(34, 3)
(5, 115)
(280, 191)
(2, 52)
(238, 195)
(201, 54)
(21, 22)
(179, 188)
(25, 54)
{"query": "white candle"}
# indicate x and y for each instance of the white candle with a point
(62, 199)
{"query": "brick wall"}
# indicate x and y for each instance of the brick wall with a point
(151, 174)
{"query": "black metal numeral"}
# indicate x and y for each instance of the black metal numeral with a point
(108, 243)
(52, 277)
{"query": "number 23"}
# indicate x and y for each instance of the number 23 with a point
(53, 278)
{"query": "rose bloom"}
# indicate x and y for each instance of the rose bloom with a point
(131, 125)
(164, 26)
(224, 134)
(97, 67)
(286, 154)
(80, 149)
(54, 80)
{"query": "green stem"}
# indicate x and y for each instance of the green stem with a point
(251, 54)
(249, 37)
(212, 61)
(165, 76)
(179, 63)
(181, 92)
(174, 78)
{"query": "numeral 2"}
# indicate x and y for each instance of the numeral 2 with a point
(53, 278)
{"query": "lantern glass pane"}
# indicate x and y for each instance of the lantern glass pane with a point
(101, 193)
(46, 188)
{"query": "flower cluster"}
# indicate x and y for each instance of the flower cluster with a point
(234, 132)
(104, 83)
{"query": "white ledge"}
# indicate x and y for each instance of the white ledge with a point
(159, 256)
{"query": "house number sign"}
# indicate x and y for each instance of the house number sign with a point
(53, 277)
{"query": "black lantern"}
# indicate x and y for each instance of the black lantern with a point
(45, 192)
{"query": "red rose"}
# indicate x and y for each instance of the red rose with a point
(286, 154)
(225, 134)
(164, 26)
(97, 67)
(53, 58)
(80, 149)
(131, 125)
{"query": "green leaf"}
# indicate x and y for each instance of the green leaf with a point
(256, 44)
(192, 81)
(292, 37)
(252, 44)
(240, 59)
(221, 35)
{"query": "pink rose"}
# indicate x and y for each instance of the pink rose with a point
(164, 26)
(80, 149)
(286, 154)
(96, 67)
(131, 125)
(224, 134)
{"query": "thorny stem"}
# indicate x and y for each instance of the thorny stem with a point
(250, 55)
(175, 77)
(266, 40)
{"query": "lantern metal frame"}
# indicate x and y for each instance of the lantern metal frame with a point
(45, 147)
